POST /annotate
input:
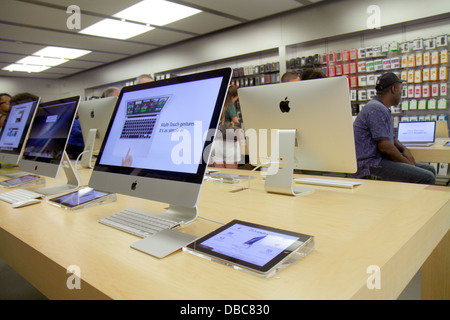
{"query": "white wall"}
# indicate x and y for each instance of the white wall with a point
(369, 38)
(322, 21)
(47, 89)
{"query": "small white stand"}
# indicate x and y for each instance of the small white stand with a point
(74, 181)
(307, 247)
(282, 180)
(86, 158)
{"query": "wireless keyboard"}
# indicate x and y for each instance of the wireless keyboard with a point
(137, 222)
(328, 182)
(19, 195)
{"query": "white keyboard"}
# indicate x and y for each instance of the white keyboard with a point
(137, 222)
(328, 182)
(19, 195)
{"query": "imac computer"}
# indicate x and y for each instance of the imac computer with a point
(158, 141)
(299, 125)
(94, 116)
(45, 148)
(15, 131)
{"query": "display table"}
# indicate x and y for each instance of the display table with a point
(385, 226)
(436, 153)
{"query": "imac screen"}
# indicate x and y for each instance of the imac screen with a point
(15, 130)
(50, 131)
(159, 139)
(163, 128)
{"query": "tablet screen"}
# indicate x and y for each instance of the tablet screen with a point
(20, 180)
(79, 197)
(257, 247)
(227, 176)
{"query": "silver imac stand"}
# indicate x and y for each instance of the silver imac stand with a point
(282, 181)
(74, 181)
(183, 215)
(86, 158)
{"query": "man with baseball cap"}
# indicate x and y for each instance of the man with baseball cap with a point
(379, 154)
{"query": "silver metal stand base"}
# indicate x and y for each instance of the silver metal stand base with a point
(86, 158)
(74, 181)
(280, 179)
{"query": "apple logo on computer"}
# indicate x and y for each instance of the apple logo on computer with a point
(92, 114)
(133, 185)
(284, 105)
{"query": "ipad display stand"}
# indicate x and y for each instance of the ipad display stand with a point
(282, 181)
(17, 175)
(110, 198)
(39, 180)
(74, 181)
(301, 252)
(183, 215)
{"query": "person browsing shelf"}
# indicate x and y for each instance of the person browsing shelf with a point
(290, 77)
(5, 100)
(144, 78)
(226, 148)
(111, 92)
(379, 154)
(310, 74)
(306, 74)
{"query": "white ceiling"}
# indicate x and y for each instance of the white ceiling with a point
(27, 26)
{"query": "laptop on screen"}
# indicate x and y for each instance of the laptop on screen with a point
(141, 117)
(417, 133)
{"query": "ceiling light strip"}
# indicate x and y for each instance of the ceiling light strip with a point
(208, 10)
(140, 18)
(67, 32)
(46, 58)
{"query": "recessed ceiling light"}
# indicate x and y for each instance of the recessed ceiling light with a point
(60, 52)
(25, 68)
(41, 61)
(45, 58)
(116, 29)
(156, 12)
